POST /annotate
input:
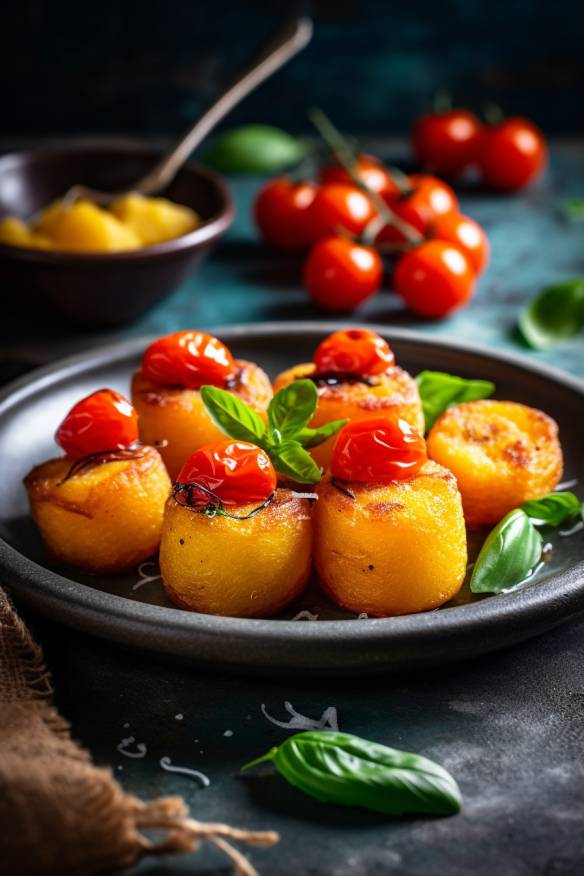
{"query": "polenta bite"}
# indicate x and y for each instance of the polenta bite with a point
(389, 533)
(232, 542)
(100, 506)
(166, 392)
(357, 378)
(502, 454)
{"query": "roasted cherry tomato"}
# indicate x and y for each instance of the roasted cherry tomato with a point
(511, 154)
(353, 351)
(104, 420)
(378, 450)
(434, 279)
(280, 212)
(234, 472)
(467, 235)
(190, 359)
(369, 169)
(335, 206)
(446, 142)
(340, 274)
(428, 198)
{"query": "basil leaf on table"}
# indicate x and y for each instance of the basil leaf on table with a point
(292, 407)
(439, 391)
(292, 460)
(553, 509)
(573, 209)
(233, 416)
(342, 768)
(555, 315)
(255, 149)
(313, 437)
(511, 550)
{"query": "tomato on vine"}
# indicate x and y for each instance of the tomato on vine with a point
(341, 274)
(378, 450)
(447, 142)
(467, 235)
(434, 279)
(104, 420)
(280, 210)
(338, 206)
(512, 153)
(368, 168)
(424, 198)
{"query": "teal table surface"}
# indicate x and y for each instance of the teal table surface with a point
(510, 727)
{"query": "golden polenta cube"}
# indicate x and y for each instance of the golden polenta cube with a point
(394, 393)
(501, 453)
(177, 416)
(237, 568)
(393, 549)
(105, 518)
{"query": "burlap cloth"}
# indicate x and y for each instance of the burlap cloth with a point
(58, 812)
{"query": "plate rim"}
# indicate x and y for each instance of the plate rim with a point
(53, 587)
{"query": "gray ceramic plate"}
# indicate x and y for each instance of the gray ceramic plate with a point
(131, 609)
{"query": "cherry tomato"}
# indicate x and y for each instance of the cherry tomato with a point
(340, 274)
(235, 472)
(104, 420)
(280, 212)
(190, 359)
(378, 450)
(446, 142)
(467, 235)
(434, 279)
(353, 351)
(511, 154)
(335, 206)
(369, 169)
(429, 197)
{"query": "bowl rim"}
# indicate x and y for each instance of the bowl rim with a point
(208, 231)
(158, 627)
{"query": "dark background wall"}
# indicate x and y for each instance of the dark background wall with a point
(151, 65)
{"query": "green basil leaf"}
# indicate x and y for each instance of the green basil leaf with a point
(255, 149)
(341, 768)
(555, 315)
(292, 460)
(553, 509)
(440, 391)
(313, 437)
(510, 552)
(292, 408)
(573, 209)
(233, 416)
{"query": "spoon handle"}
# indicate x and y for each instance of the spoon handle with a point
(282, 46)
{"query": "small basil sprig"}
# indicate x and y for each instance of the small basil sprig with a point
(573, 209)
(255, 149)
(509, 554)
(440, 391)
(553, 509)
(341, 768)
(286, 435)
(555, 315)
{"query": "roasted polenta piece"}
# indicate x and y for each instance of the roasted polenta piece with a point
(501, 453)
(357, 378)
(100, 507)
(165, 392)
(389, 533)
(233, 544)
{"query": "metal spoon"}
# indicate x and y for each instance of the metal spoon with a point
(286, 43)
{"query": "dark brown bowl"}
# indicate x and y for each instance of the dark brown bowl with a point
(103, 288)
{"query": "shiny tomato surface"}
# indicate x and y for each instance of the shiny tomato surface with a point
(428, 198)
(102, 421)
(369, 169)
(511, 154)
(353, 351)
(446, 142)
(190, 359)
(280, 211)
(233, 472)
(434, 279)
(338, 206)
(378, 450)
(467, 235)
(340, 274)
